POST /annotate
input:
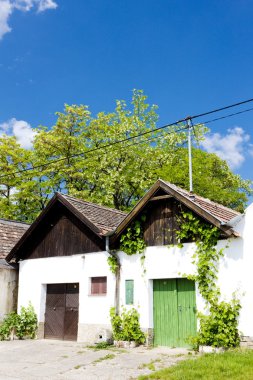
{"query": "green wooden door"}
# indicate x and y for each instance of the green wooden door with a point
(174, 311)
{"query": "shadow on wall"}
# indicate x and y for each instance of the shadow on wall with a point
(9, 290)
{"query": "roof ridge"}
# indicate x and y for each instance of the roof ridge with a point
(200, 197)
(94, 204)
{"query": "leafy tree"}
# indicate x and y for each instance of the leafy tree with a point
(116, 176)
(74, 157)
(12, 158)
(212, 178)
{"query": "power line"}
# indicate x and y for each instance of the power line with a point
(226, 116)
(41, 166)
(220, 109)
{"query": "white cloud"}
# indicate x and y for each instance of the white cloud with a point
(27, 5)
(5, 12)
(230, 147)
(46, 4)
(21, 129)
(22, 5)
(7, 7)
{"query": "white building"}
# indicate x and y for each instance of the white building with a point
(10, 233)
(65, 274)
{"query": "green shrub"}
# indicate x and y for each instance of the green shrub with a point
(219, 328)
(8, 326)
(22, 325)
(28, 323)
(126, 326)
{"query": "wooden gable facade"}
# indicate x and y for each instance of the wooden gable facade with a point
(70, 226)
(63, 234)
(161, 208)
(58, 231)
(161, 221)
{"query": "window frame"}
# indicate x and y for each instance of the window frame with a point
(98, 288)
(127, 289)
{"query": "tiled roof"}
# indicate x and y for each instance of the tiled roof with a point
(222, 213)
(104, 218)
(10, 233)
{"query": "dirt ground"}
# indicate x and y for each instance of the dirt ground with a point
(58, 360)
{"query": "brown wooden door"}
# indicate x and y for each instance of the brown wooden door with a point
(61, 317)
(71, 312)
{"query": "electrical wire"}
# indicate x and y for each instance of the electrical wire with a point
(227, 116)
(220, 109)
(46, 164)
(41, 166)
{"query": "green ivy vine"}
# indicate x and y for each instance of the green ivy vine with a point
(113, 263)
(132, 241)
(220, 327)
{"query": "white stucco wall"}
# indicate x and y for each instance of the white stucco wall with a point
(235, 274)
(36, 273)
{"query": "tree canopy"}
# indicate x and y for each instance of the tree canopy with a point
(80, 155)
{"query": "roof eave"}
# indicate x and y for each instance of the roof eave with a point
(200, 211)
(56, 197)
(28, 232)
(137, 208)
(160, 184)
(79, 215)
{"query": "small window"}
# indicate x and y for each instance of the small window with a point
(98, 285)
(129, 288)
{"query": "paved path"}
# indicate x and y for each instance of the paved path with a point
(57, 360)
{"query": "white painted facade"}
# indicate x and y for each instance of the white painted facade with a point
(35, 274)
(235, 275)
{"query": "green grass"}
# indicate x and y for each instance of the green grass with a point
(150, 365)
(100, 346)
(231, 365)
(106, 357)
(108, 347)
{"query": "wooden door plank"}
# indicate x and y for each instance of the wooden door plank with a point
(165, 312)
(186, 310)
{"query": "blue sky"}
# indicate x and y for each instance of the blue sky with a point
(188, 56)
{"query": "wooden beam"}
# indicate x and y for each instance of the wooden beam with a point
(160, 197)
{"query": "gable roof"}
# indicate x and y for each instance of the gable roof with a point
(10, 233)
(104, 218)
(99, 219)
(107, 221)
(222, 213)
(213, 212)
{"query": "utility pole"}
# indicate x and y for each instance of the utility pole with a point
(190, 126)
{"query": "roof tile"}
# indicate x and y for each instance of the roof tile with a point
(10, 233)
(220, 212)
(104, 218)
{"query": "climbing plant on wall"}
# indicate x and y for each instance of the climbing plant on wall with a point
(113, 263)
(132, 241)
(219, 328)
